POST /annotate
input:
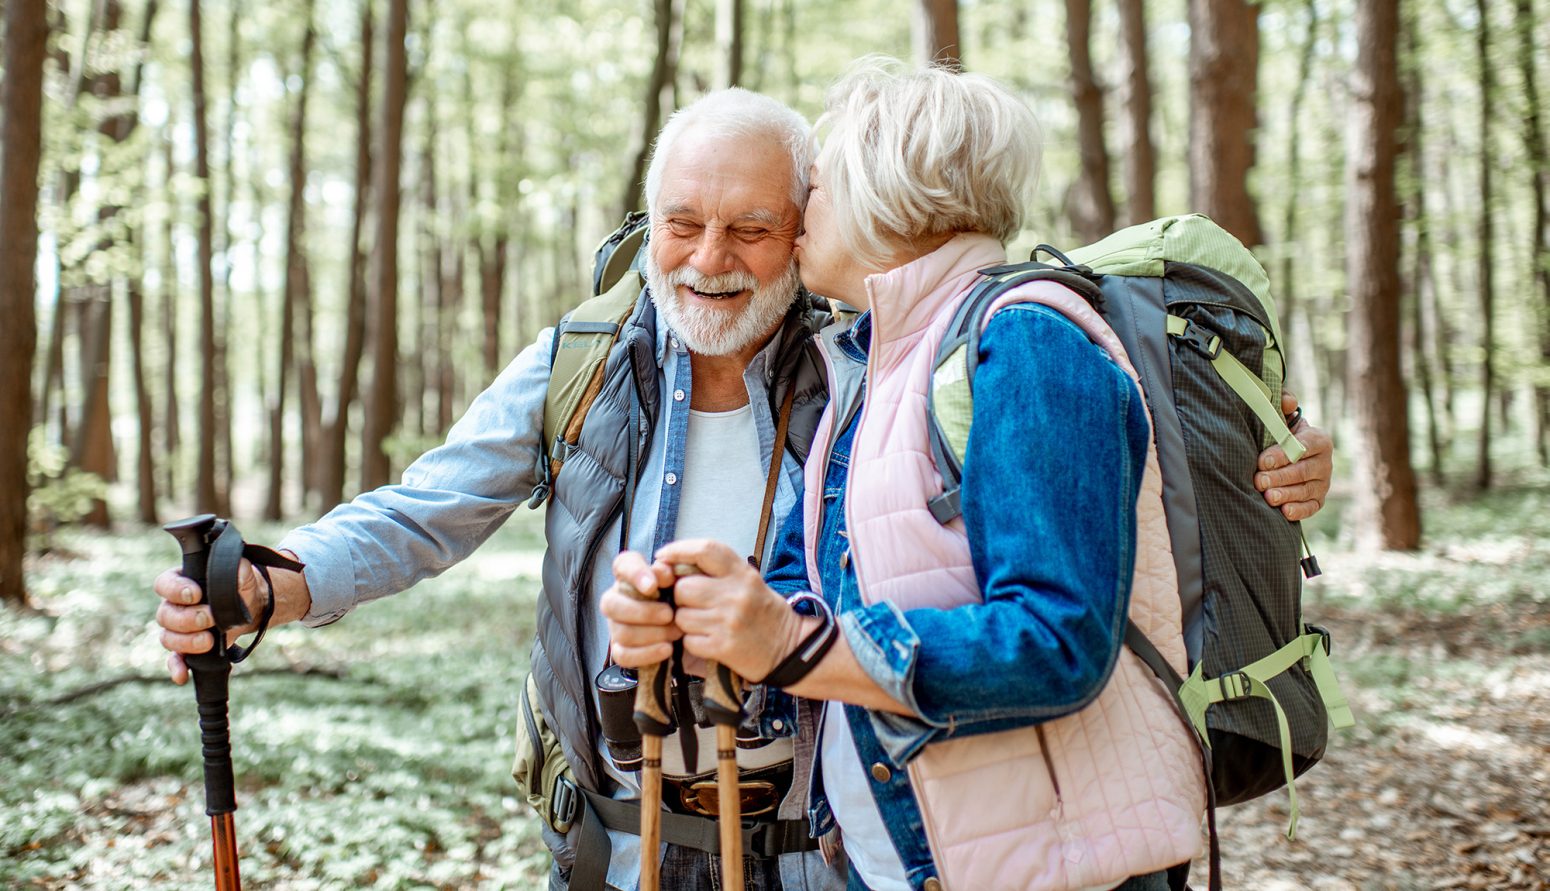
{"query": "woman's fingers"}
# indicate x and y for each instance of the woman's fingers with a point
(708, 556)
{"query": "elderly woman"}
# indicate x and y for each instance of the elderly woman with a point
(976, 721)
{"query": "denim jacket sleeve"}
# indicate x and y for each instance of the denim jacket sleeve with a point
(449, 501)
(1050, 482)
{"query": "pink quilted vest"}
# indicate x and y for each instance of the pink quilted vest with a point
(1081, 802)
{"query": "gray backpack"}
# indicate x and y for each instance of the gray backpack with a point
(1193, 309)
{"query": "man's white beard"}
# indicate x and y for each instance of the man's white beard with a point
(721, 332)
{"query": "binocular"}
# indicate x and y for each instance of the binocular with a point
(616, 701)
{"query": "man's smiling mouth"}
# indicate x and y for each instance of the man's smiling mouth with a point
(713, 295)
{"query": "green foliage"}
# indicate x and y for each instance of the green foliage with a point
(395, 776)
(59, 494)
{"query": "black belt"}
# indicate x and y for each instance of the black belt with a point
(594, 851)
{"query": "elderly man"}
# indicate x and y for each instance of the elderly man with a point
(704, 364)
(679, 443)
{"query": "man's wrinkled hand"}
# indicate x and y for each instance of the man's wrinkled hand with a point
(186, 623)
(1298, 489)
(640, 628)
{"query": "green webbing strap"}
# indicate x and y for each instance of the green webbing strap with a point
(1249, 387)
(1198, 694)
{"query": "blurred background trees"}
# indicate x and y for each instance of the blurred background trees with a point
(280, 247)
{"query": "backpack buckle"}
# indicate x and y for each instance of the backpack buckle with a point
(564, 804)
(1235, 686)
(1201, 341)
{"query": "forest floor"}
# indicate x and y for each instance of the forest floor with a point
(374, 752)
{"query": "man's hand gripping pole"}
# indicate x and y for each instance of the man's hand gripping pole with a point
(213, 551)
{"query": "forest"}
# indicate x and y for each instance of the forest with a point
(257, 257)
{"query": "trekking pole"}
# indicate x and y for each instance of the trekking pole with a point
(212, 672)
(724, 706)
(655, 723)
(213, 552)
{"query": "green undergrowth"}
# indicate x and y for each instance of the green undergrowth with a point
(371, 753)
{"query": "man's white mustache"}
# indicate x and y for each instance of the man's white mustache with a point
(712, 284)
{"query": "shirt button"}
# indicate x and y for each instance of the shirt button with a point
(678, 395)
(777, 724)
(932, 884)
(881, 773)
(671, 479)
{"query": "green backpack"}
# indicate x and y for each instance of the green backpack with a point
(1193, 309)
(582, 341)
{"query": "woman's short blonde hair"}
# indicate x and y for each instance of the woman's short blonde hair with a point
(915, 152)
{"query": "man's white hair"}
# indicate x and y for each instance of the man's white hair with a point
(916, 152)
(736, 112)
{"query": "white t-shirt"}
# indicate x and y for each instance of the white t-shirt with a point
(723, 493)
(848, 789)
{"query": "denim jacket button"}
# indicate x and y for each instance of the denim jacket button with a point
(932, 884)
(881, 773)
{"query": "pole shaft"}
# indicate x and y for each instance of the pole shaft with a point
(730, 819)
(650, 812)
(223, 831)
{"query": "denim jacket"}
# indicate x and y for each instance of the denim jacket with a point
(1054, 572)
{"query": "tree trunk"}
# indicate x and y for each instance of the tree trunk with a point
(1387, 512)
(494, 247)
(64, 308)
(729, 42)
(1423, 285)
(331, 488)
(661, 97)
(1223, 79)
(225, 463)
(1486, 253)
(383, 402)
(207, 496)
(172, 428)
(433, 340)
(21, 138)
(452, 264)
(91, 448)
(1539, 173)
(1141, 157)
(1291, 312)
(1091, 203)
(294, 345)
(145, 413)
(936, 33)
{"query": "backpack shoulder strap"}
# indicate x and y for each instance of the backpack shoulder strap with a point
(578, 356)
(950, 398)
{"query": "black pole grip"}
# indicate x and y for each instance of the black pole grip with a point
(211, 670)
(210, 690)
(193, 535)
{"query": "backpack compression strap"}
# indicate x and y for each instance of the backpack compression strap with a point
(1248, 385)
